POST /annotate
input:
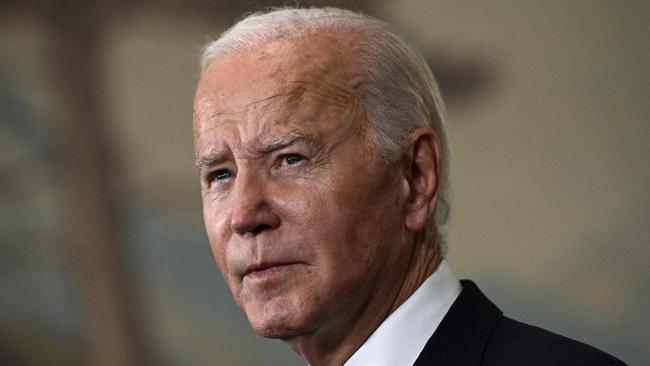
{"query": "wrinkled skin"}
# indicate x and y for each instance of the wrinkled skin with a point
(311, 231)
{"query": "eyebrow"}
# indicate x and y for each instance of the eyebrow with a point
(205, 162)
(208, 161)
(281, 142)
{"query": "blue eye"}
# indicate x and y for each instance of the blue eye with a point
(221, 174)
(290, 159)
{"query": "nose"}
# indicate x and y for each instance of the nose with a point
(251, 210)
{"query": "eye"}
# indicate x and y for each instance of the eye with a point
(290, 159)
(220, 174)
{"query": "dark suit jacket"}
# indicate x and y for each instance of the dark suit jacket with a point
(475, 332)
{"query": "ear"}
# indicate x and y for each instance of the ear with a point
(422, 171)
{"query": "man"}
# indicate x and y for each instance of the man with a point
(321, 142)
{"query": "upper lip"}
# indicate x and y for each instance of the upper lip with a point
(264, 265)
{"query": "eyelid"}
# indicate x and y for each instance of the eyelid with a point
(219, 172)
(211, 176)
(281, 158)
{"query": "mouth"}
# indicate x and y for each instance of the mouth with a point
(267, 269)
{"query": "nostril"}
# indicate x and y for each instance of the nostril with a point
(254, 223)
(259, 228)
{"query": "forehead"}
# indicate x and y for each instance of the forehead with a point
(282, 80)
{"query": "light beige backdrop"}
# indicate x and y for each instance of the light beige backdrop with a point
(550, 173)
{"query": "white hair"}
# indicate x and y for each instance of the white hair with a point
(399, 92)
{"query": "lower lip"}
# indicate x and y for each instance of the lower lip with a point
(269, 273)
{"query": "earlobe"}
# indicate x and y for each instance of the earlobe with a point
(422, 161)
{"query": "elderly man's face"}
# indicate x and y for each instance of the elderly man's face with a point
(305, 224)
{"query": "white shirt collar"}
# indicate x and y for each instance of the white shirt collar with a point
(400, 339)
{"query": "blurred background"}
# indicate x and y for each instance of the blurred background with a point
(103, 255)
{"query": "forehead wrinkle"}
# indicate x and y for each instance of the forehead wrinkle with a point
(206, 116)
(216, 124)
(332, 83)
(326, 93)
(209, 117)
(331, 93)
(291, 93)
(331, 77)
(330, 71)
(204, 108)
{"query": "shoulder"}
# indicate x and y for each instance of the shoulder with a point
(475, 332)
(513, 342)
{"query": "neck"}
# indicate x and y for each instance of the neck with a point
(334, 346)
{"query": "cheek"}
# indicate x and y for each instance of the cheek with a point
(217, 232)
(345, 221)
(366, 211)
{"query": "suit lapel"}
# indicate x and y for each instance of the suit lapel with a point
(463, 333)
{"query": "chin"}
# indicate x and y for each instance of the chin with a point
(278, 331)
(276, 321)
